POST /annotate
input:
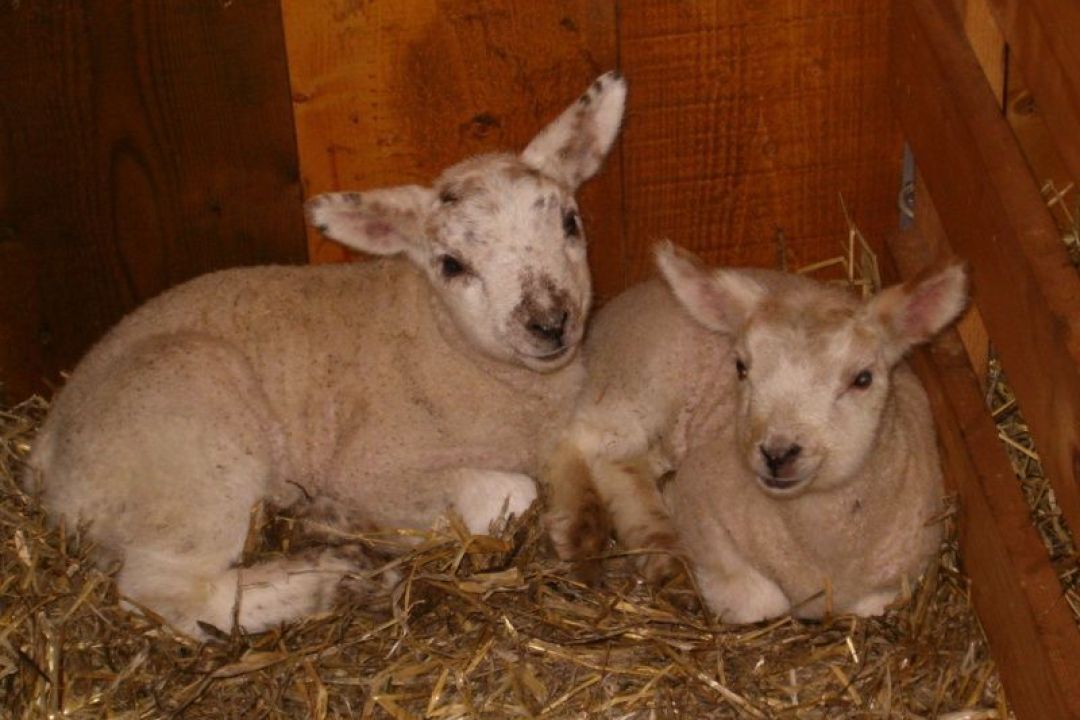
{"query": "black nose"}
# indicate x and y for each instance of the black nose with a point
(550, 328)
(779, 457)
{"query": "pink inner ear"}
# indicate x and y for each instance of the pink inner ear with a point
(921, 316)
(377, 229)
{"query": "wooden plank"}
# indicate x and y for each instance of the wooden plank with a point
(749, 118)
(987, 41)
(1016, 593)
(21, 364)
(141, 144)
(1026, 290)
(1042, 36)
(970, 328)
(393, 91)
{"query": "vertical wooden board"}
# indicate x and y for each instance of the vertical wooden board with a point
(1042, 36)
(1023, 283)
(393, 91)
(749, 118)
(1032, 633)
(142, 143)
(21, 363)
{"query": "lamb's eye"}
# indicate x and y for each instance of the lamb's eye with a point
(863, 380)
(451, 267)
(571, 224)
(448, 197)
(740, 369)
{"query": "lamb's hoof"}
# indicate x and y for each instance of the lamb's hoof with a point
(581, 541)
(663, 562)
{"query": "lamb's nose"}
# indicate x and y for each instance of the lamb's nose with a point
(549, 328)
(780, 456)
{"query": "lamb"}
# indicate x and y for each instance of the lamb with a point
(804, 446)
(821, 496)
(389, 392)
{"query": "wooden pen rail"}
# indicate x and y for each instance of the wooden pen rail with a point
(1028, 294)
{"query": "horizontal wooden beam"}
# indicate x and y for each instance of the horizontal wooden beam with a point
(1027, 291)
(1016, 593)
(1042, 37)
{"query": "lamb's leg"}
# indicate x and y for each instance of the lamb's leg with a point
(483, 497)
(741, 595)
(417, 498)
(577, 521)
(165, 455)
(872, 604)
(188, 590)
(641, 520)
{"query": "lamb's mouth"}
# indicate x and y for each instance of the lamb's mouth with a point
(553, 355)
(780, 484)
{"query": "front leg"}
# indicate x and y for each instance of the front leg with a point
(741, 596)
(419, 498)
(576, 520)
(641, 521)
(483, 497)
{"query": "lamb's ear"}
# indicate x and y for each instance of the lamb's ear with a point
(381, 222)
(721, 300)
(915, 311)
(573, 147)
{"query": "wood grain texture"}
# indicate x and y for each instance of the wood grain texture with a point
(1019, 599)
(21, 360)
(141, 143)
(1024, 285)
(1042, 35)
(749, 118)
(392, 91)
(970, 328)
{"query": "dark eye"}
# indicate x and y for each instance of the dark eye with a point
(740, 369)
(863, 380)
(571, 224)
(447, 197)
(451, 267)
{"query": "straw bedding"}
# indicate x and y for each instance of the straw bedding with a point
(478, 628)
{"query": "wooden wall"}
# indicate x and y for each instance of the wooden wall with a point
(745, 118)
(145, 142)
(141, 143)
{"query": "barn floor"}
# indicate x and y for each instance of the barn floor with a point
(489, 628)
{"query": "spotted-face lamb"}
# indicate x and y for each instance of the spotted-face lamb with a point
(804, 444)
(390, 392)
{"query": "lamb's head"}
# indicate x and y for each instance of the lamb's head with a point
(498, 236)
(814, 364)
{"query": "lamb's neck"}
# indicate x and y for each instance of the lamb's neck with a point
(705, 411)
